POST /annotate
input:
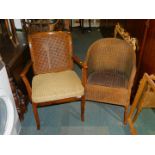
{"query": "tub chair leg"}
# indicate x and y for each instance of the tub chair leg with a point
(125, 114)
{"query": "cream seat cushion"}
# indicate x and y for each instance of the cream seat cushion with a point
(56, 86)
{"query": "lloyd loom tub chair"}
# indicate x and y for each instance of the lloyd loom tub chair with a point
(145, 98)
(54, 81)
(111, 70)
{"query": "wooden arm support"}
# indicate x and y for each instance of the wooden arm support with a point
(25, 80)
(79, 62)
(84, 67)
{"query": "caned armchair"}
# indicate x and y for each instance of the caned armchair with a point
(54, 80)
(111, 64)
(145, 98)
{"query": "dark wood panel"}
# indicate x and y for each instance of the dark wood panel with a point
(148, 57)
(136, 27)
(15, 59)
(144, 31)
(107, 26)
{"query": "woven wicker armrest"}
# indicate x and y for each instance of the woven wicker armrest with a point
(25, 80)
(79, 62)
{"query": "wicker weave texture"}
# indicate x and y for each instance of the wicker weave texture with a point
(51, 52)
(111, 64)
(100, 93)
(111, 54)
(108, 79)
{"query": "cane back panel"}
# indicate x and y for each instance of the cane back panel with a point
(50, 51)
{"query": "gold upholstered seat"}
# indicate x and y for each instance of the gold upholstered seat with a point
(55, 86)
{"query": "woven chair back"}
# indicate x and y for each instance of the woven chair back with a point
(111, 54)
(51, 51)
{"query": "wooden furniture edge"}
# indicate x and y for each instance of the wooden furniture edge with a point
(84, 67)
(25, 79)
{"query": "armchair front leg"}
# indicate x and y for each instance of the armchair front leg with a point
(83, 65)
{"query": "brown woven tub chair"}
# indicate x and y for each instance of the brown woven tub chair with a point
(111, 70)
(145, 98)
(54, 81)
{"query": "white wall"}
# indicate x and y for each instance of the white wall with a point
(18, 24)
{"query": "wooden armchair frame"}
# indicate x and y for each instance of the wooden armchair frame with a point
(35, 105)
(84, 67)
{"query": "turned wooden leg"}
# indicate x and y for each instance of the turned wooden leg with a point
(132, 121)
(36, 116)
(139, 109)
(125, 115)
(82, 107)
(132, 128)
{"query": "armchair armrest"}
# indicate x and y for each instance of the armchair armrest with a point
(25, 80)
(84, 67)
(79, 62)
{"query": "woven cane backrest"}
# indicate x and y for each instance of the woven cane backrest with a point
(111, 54)
(51, 51)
